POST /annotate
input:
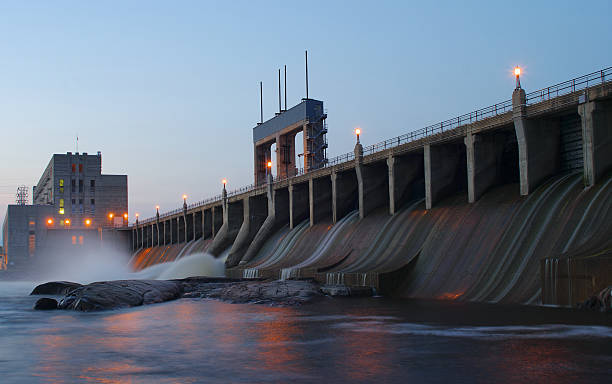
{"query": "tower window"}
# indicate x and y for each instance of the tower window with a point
(81, 185)
(73, 185)
(61, 185)
(80, 168)
(73, 168)
(92, 183)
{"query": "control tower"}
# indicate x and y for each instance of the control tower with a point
(307, 117)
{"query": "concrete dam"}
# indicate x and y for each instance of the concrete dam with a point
(511, 203)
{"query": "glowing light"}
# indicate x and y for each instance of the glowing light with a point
(157, 207)
(67, 221)
(358, 131)
(184, 197)
(517, 71)
(125, 216)
(137, 215)
(269, 164)
(224, 181)
(111, 215)
(61, 211)
(49, 221)
(87, 222)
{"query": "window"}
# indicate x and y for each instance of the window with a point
(74, 240)
(81, 201)
(92, 184)
(31, 244)
(73, 185)
(81, 185)
(61, 212)
(61, 203)
(61, 185)
(80, 168)
(73, 168)
(80, 240)
(93, 201)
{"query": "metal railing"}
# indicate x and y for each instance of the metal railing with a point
(564, 88)
(570, 86)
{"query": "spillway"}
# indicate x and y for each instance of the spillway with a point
(489, 251)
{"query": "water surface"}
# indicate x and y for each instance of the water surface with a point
(335, 340)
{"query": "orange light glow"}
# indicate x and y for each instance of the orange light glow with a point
(269, 164)
(87, 222)
(224, 181)
(110, 215)
(137, 215)
(157, 207)
(358, 131)
(49, 221)
(184, 197)
(125, 216)
(517, 71)
(67, 221)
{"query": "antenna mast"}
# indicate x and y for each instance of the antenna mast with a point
(306, 74)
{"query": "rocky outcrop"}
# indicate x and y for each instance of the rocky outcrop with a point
(601, 302)
(45, 303)
(131, 293)
(288, 292)
(55, 288)
(120, 294)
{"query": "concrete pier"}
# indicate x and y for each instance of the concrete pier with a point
(596, 124)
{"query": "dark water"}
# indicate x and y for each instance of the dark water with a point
(336, 340)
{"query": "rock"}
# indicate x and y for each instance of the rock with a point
(601, 301)
(287, 292)
(119, 294)
(45, 303)
(342, 290)
(55, 288)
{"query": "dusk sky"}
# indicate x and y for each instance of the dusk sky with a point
(169, 91)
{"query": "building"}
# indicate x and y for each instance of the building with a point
(72, 204)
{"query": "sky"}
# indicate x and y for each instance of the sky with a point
(169, 91)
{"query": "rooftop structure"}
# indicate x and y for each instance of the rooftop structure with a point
(307, 117)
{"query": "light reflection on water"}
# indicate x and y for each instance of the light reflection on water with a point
(365, 340)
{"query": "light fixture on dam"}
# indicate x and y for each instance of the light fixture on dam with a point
(517, 73)
(224, 181)
(358, 132)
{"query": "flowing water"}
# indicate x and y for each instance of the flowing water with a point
(335, 340)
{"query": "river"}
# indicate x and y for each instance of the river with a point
(335, 340)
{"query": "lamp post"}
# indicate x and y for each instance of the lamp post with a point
(517, 73)
(269, 171)
(357, 133)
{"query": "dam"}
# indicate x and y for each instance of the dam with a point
(511, 203)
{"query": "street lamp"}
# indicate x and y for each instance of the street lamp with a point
(357, 133)
(517, 73)
(49, 221)
(87, 222)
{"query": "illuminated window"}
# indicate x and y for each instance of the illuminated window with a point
(80, 240)
(73, 168)
(61, 185)
(61, 203)
(73, 239)
(61, 212)
(80, 167)
(31, 244)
